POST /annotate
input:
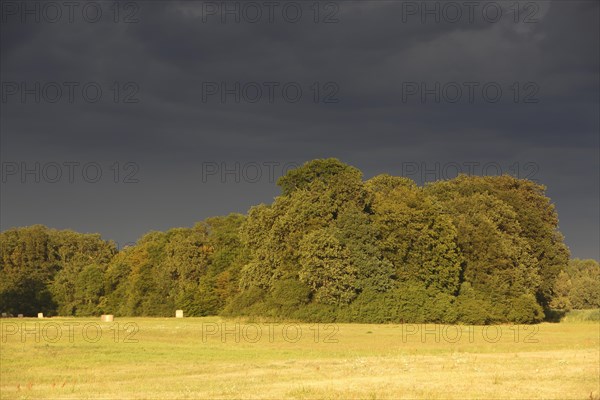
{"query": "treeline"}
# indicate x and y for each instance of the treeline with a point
(69, 273)
(331, 247)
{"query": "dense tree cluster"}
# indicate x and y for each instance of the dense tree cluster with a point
(67, 273)
(578, 286)
(44, 270)
(331, 247)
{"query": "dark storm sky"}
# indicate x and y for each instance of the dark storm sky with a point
(166, 135)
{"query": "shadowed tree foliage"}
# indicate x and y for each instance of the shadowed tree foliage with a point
(40, 270)
(415, 234)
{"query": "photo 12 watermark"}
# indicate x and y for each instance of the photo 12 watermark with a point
(434, 171)
(69, 92)
(268, 332)
(271, 92)
(71, 172)
(71, 332)
(451, 334)
(69, 12)
(270, 12)
(470, 12)
(469, 92)
(247, 172)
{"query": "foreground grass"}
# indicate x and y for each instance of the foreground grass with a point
(170, 358)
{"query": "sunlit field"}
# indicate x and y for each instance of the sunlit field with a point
(80, 358)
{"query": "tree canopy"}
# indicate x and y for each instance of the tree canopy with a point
(331, 247)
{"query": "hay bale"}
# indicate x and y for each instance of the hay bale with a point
(179, 314)
(40, 315)
(20, 316)
(4, 315)
(107, 318)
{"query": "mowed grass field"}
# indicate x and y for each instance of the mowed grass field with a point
(169, 358)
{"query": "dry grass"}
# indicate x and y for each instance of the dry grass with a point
(181, 359)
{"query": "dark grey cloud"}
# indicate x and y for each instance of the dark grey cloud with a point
(368, 60)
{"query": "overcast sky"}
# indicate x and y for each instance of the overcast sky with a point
(152, 114)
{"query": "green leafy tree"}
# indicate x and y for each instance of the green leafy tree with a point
(39, 268)
(416, 236)
(89, 291)
(532, 210)
(585, 290)
(325, 266)
(562, 292)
